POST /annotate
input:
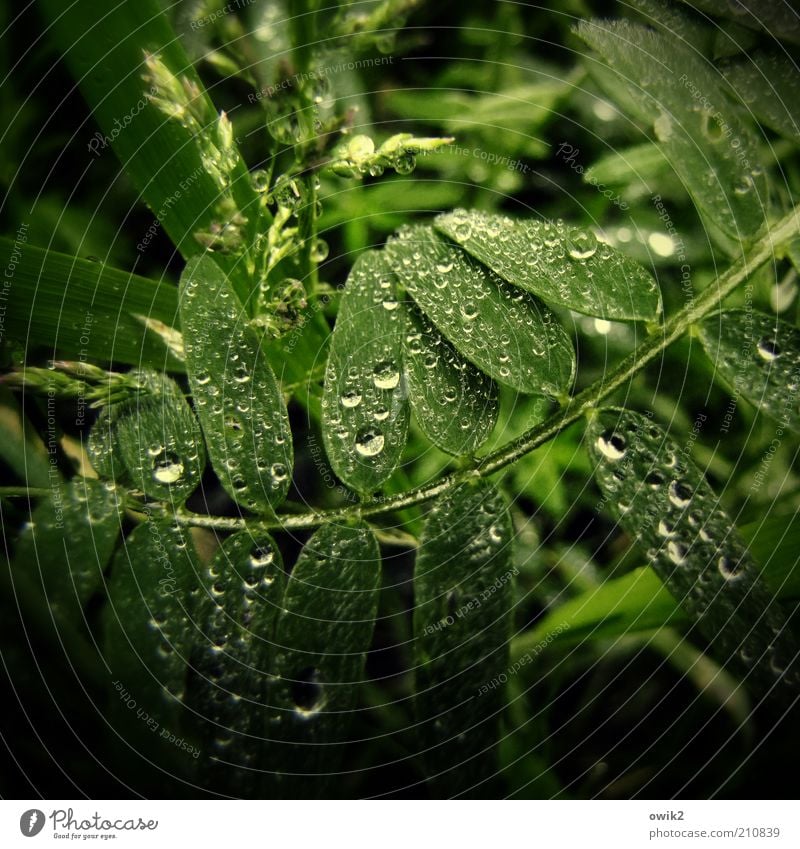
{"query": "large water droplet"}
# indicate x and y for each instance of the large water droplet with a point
(369, 442)
(611, 445)
(581, 245)
(768, 349)
(167, 469)
(386, 375)
(680, 494)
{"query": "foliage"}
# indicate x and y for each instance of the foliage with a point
(535, 399)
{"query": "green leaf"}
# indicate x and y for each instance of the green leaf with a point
(147, 630)
(641, 162)
(462, 618)
(236, 395)
(155, 437)
(504, 331)
(166, 158)
(677, 22)
(769, 85)
(364, 406)
(774, 17)
(77, 308)
(231, 661)
(455, 404)
(663, 500)
(67, 544)
(322, 636)
(759, 356)
(638, 601)
(563, 265)
(680, 99)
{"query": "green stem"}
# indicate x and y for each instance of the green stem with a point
(577, 406)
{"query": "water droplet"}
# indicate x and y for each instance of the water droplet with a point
(351, 399)
(369, 442)
(611, 445)
(385, 375)
(167, 469)
(469, 311)
(261, 556)
(680, 494)
(581, 245)
(307, 693)
(279, 472)
(768, 349)
(676, 552)
(729, 568)
(405, 163)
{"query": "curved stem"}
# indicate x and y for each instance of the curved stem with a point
(579, 405)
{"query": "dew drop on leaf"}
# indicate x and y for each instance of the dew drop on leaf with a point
(611, 445)
(167, 469)
(768, 349)
(369, 442)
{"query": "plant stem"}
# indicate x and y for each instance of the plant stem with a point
(766, 248)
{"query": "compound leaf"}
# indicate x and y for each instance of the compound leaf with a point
(760, 357)
(663, 500)
(323, 633)
(238, 401)
(462, 618)
(68, 542)
(147, 620)
(231, 661)
(456, 404)
(504, 331)
(364, 405)
(157, 439)
(563, 265)
(662, 83)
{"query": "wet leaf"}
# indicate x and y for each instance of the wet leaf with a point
(660, 82)
(563, 265)
(66, 546)
(769, 85)
(231, 661)
(462, 618)
(147, 630)
(507, 333)
(638, 600)
(236, 395)
(151, 441)
(364, 406)
(663, 500)
(759, 356)
(455, 404)
(774, 17)
(322, 636)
